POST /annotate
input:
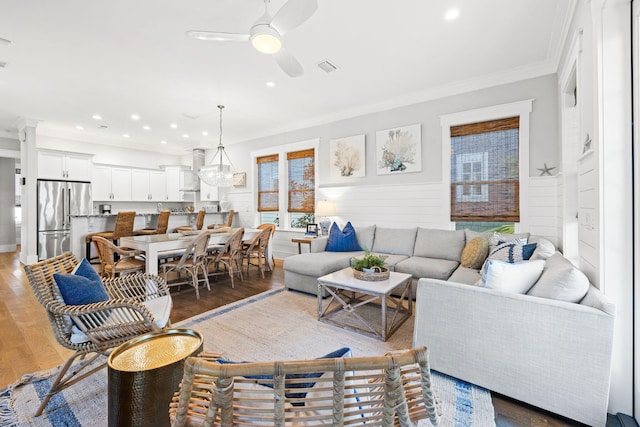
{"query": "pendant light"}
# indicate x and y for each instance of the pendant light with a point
(218, 174)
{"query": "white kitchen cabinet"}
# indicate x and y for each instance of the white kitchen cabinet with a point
(208, 193)
(64, 165)
(175, 182)
(111, 183)
(157, 186)
(148, 185)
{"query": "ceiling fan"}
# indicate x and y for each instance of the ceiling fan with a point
(266, 33)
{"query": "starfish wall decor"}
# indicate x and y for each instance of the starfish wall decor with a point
(546, 170)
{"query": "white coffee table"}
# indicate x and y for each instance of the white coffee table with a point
(351, 302)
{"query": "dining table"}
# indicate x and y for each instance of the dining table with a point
(154, 245)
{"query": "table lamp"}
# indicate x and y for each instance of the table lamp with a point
(325, 208)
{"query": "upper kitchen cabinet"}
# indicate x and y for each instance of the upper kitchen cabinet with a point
(148, 185)
(64, 165)
(208, 193)
(111, 183)
(175, 176)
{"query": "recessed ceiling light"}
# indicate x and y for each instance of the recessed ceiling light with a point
(452, 14)
(185, 135)
(126, 135)
(146, 127)
(205, 133)
(80, 127)
(270, 84)
(173, 126)
(96, 117)
(135, 117)
(163, 142)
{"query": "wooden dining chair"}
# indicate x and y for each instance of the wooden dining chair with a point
(257, 250)
(229, 256)
(193, 261)
(161, 225)
(229, 221)
(116, 261)
(271, 227)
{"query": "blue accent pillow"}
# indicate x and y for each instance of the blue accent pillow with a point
(342, 352)
(342, 241)
(82, 286)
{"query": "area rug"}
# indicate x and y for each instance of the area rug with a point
(277, 324)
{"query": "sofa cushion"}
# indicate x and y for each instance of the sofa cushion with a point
(365, 236)
(512, 252)
(397, 241)
(544, 249)
(516, 277)
(499, 238)
(391, 260)
(320, 263)
(467, 276)
(427, 267)
(342, 240)
(441, 244)
(475, 252)
(561, 281)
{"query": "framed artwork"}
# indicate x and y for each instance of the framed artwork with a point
(312, 230)
(347, 157)
(240, 179)
(399, 150)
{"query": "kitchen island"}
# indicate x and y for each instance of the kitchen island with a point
(81, 225)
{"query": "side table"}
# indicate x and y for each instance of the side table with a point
(306, 240)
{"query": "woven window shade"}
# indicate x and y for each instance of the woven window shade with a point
(301, 181)
(267, 183)
(485, 171)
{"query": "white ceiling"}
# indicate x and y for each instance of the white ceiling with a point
(70, 59)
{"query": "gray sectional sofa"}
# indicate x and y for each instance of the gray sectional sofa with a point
(545, 351)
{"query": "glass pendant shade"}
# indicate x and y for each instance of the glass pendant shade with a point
(218, 174)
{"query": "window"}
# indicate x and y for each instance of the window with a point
(286, 184)
(301, 169)
(485, 172)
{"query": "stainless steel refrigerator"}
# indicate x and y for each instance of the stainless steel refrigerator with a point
(57, 201)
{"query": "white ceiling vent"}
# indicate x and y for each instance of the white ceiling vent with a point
(327, 66)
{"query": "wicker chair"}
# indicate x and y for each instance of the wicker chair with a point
(229, 221)
(256, 250)
(122, 228)
(229, 255)
(124, 263)
(131, 303)
(271, 227)
(389, 390)
(193, 261)
(161, 225)
(199, 223)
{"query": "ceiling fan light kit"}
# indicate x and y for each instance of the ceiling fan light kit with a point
(265, 39)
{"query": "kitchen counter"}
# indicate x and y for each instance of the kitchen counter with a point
(81, 225)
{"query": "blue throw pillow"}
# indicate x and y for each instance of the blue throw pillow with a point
(342, 241)
(82, 286)
(342, 352)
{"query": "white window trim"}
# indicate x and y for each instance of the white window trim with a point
(519, 108)
(283, 172)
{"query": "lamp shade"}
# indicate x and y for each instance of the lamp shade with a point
(326, 208)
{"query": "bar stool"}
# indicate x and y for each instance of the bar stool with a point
(122, 228)
(199, 223)
(229, 221)
(161, 225)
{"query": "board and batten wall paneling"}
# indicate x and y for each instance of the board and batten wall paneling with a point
(588, 217)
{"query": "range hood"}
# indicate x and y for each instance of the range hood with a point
(190, 179)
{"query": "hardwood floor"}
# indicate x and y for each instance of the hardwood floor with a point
(28, 344)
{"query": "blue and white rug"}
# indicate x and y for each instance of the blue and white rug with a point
(274, 325)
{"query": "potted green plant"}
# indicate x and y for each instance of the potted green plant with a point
(370, 266)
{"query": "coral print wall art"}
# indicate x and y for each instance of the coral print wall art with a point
(399, 150)
(347, 157)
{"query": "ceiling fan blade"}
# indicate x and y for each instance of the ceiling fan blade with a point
(288, 63)
(292, 14)
(217, 36)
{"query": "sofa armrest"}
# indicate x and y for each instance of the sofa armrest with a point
(544, 352)
(319, 244)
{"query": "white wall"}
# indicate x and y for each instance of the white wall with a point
(7, 201)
